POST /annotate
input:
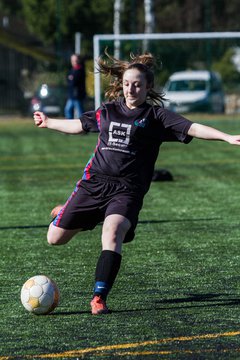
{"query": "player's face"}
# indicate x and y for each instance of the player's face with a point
(135, 88)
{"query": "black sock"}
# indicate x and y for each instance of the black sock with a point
(107, 269)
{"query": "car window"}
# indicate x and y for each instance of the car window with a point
(215, 85)
(187, 85)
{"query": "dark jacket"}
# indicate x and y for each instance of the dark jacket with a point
(76, 83)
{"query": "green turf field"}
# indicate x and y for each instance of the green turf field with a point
(177, 295)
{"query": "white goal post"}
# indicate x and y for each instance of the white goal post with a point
(154, 36)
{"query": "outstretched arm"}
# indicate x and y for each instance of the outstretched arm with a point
(208, 133)
(65, 126)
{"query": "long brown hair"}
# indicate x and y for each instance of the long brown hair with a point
(115, 68)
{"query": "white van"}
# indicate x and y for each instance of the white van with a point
(194, 91)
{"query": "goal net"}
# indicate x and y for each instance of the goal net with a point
(174, 52)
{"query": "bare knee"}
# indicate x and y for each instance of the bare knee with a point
(59, 236)
(53, 239)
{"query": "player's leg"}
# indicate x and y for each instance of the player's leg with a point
(70, 218)
(115, 228)
(60, 236)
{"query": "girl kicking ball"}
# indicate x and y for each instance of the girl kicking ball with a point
(132, 124)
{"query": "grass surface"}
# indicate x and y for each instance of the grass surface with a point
(177, 295)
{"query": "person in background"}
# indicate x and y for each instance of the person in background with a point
(76, 88)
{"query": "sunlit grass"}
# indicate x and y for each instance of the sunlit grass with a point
(179, 277)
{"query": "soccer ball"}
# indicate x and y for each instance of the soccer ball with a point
(40, 295)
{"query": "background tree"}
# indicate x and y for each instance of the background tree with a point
(55, 23)
(58, 20)
(11, 7)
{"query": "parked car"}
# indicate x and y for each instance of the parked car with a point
(194, 91)
(50, 99)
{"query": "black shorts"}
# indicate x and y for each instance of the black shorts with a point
(93, 200)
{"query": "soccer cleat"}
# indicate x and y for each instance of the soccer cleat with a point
(99, 306)
(55, 211)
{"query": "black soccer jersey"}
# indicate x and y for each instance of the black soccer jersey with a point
(129, 140)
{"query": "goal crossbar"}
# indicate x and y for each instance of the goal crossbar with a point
(154, 36)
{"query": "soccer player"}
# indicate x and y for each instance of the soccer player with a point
(132, 125)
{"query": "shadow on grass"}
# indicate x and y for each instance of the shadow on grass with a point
(176, 220)
(22, 227)
(207, 299)
(68, 313)
(194, 300)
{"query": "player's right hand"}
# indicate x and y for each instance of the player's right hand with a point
(40, 119)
